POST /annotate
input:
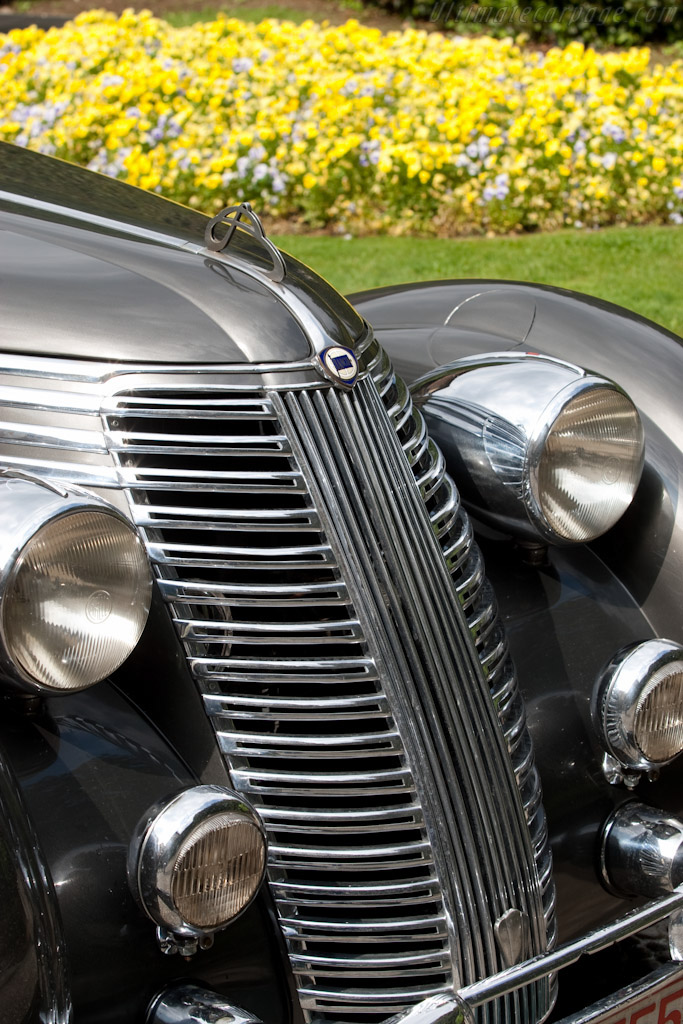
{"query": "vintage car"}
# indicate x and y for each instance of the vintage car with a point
(273, 746)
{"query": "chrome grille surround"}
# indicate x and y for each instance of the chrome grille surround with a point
(296, 585)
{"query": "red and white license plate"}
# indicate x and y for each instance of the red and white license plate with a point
(660, 1004)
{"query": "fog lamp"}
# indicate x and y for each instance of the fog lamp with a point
(638, 704)
(538, 447)
(76, 587)
(197, 863)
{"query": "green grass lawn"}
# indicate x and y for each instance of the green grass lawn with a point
(641, 268)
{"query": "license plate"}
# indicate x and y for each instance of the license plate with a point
(660, 1004)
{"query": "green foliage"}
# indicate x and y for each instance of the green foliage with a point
(611, 22)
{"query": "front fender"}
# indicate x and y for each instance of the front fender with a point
(426, 325)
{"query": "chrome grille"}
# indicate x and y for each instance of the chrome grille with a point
(346, 697)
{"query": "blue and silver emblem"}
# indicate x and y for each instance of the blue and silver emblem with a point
(339, 365)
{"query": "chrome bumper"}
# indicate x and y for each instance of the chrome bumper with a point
(188, 1004)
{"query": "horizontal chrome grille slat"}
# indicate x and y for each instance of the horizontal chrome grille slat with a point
(319, 746)
(387, 937)
(262, 666)
(374, 827)
(401, 893)
(232, 444)
(267, 632)
(296, 748)
(312, 594)
(179, 517)
(330, 785)
(236, 486)
(354, 707)
(223, 407)
(365, 966)
(293, 523)
(177, 561)
(289, 860)
(429, 927)
(204, 450)
(367, 1000)
(301, 552)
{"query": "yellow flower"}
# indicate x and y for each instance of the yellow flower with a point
(390, 122)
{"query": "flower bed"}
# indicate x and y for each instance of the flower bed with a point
(408, 131)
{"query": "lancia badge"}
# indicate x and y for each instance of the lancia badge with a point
(339, 365)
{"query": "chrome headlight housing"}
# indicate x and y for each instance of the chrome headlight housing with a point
(75, 584)
(638, 704)
(198, 861)
(538, 447)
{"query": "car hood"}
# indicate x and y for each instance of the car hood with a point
(91, 268)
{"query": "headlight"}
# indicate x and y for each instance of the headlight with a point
(586, 460)
(198, 862)
(538, 447)
(76, 588)
(638, 704)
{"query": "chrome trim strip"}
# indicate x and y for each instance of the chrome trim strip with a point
(541, 966)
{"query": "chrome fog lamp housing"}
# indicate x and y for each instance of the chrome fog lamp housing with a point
(638, 704)
(538, 447)
(197, 862)
(641, 851)
(75, 584)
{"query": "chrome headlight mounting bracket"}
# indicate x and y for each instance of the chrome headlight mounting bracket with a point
(539, 448)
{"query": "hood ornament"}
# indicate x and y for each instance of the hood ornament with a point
(339, 365)
(244, 218)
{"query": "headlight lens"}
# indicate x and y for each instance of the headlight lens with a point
(658, 721)
(77, 599)
(219, 867)
(200, 860)
(639, 704)
(590, 464)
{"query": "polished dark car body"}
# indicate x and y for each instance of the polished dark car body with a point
(100, 283)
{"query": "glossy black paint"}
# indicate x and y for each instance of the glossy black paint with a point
(565, 619)
(89, 766)
(116, 282)
(33, 983)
